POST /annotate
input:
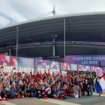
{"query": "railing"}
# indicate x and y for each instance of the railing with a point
(57, 42)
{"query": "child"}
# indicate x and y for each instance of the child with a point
(61, 92)
(55, 92)
(39, 91)
(48, 91)
(64, 92)
(32, 91)
(24, 90)
(18, 91)
(4, 93)
(76, 94)
(28, 90)
(12, 93)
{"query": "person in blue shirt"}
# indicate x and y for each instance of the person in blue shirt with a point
(77, 82)
(61, 92)
(32, 91)
(12, 92)
(55, 92)
(18, 90)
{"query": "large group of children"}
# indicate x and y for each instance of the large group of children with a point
(20, 85)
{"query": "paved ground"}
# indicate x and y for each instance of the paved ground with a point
(86, 100)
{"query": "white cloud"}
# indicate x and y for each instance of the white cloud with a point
(22, 10)
(6, 9)
(3, 21)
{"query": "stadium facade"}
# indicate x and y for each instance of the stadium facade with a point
(77, 27)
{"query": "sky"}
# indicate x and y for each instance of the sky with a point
(23, 10)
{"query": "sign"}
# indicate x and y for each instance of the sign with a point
(84, 68)
(8, 60)
(93, 69)
(103, 69)
(26, 62)
(43, 64)
(54, 65)
(73, 67)
(99, 72)
(65, 66)
(92, 60)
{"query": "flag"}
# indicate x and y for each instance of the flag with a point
(47, 89)
(100, 84)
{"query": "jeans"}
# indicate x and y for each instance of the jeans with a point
(40, 97)
(12, 96)
(85, 90)
(32, 95)
(91, 89)
(65, 97)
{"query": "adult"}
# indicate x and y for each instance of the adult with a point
(90, 82)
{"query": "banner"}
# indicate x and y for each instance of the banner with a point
(103, 69)
(73, 67)
(84, 68)
(44, 64)
(99, 72)
(91, 60)
(54, 65)
(93, 69)
(65, 66)
(8, 60)
(26, 62)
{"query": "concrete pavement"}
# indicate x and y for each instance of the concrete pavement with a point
(86, 100)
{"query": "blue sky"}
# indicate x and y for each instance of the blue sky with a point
(23, 10)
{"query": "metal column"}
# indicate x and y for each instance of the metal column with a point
(35, 65)
(17, 32)
(90, 72)
(77, 67)
(53, 45)
(64, 40)
(10, 50)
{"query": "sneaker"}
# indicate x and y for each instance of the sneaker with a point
(3, 98)
(100, 94)
(80, 95)
(22, 96)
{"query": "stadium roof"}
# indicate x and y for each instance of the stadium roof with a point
(84, 26)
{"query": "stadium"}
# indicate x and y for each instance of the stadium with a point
(44, 37)
(55, 57)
